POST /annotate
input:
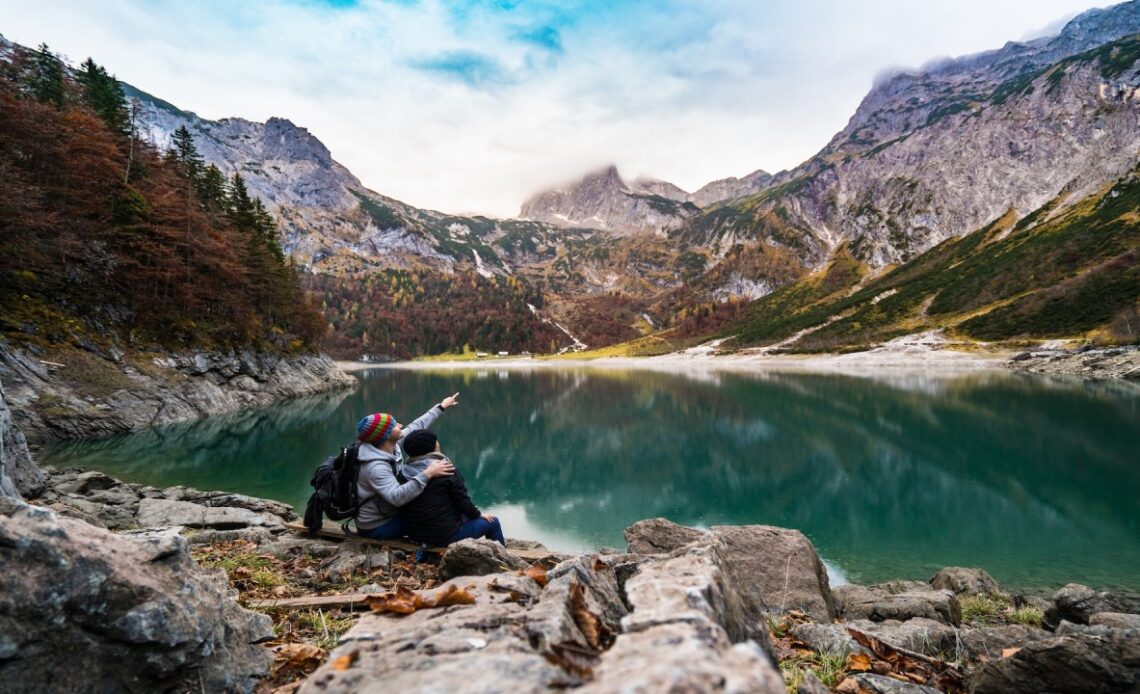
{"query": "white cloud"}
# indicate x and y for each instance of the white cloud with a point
(472, 107)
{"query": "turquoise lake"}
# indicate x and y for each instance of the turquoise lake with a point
(1035, 480)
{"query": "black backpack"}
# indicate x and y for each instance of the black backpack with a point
(335, 484)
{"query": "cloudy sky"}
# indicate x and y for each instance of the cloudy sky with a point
(470, 106)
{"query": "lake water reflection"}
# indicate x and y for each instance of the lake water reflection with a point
(1036, 481)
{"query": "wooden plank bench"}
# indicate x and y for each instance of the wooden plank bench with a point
(335, 533)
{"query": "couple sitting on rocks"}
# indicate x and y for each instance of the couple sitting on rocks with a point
(416, 493)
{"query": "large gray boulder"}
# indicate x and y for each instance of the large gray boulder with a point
(828, 639)
(777, 568)
(899, 602)
(962, 581)
(693, 586)
(992, 640)
(493, 645)
(1077, 663)
(19, 476)
(477, 558)
(921, 635)
(659, 536)
(154, 513)
(601, 624)
(1076, 603)
(85, 610)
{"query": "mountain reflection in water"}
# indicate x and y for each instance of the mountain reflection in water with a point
(1034, 480)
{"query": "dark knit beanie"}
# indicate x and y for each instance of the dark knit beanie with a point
(419, 442)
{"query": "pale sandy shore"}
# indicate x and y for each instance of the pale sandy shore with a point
(923, 353)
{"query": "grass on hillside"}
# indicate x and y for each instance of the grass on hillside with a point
(1074, 274)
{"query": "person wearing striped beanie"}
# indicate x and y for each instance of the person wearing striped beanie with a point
(381, 486)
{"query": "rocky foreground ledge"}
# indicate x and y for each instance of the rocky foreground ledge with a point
(71, 393)
(735, 608)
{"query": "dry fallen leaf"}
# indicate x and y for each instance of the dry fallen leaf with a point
(848, 686)
(1007, 652)
(345, 661)
(451, 595)
(859, 662)
(402, 601)
(536, 573)
(405, 601)
(298, 655)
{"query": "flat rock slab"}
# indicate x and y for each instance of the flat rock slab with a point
(685, 657)
(991, 641)
(919, 634)
(154, 513)
(1076, 603)
(577, 632)
(878, 603)
(1077, 663)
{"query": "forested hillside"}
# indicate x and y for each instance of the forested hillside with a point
(398, 314)
(107, 240)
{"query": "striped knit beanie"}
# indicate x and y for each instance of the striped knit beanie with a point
(375, 427)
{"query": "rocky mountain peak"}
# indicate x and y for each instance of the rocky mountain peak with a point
(602, 200)
(730, 188)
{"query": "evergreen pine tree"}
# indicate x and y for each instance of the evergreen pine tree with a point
(45, 79)
(105, 96)
(186, 154)
(239, 206)
(212, 186)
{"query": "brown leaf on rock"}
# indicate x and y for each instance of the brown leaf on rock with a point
(536, 573)
(345, 661)
(859, 662)
(406, 601)
(451, 595)
(296, 658)
(401, 601)
(1007, 652)
(598, 635)
(848, 686)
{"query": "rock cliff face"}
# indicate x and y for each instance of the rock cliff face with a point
(89, 396)
(327, 217)
(935, 154)
(19, 476)
(602, 200)
(730, 188)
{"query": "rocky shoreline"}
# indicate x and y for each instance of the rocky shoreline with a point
(926, 353)
(734, 608)
(72, 393)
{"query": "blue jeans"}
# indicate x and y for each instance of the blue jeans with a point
(388, 530)
(479, 527)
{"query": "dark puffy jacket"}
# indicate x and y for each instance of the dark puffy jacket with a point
(435, 515)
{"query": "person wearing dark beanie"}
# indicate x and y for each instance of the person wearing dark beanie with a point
(420, 442)
(443, 513)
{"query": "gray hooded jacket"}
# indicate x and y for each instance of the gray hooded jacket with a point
(381, 494)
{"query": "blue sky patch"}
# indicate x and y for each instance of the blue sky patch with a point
(469, 67)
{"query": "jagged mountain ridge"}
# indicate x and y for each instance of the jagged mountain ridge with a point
(604, 200)
(929, 155)
(329, 219)
(935, 154)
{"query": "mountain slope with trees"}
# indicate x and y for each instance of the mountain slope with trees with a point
(108, 241)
